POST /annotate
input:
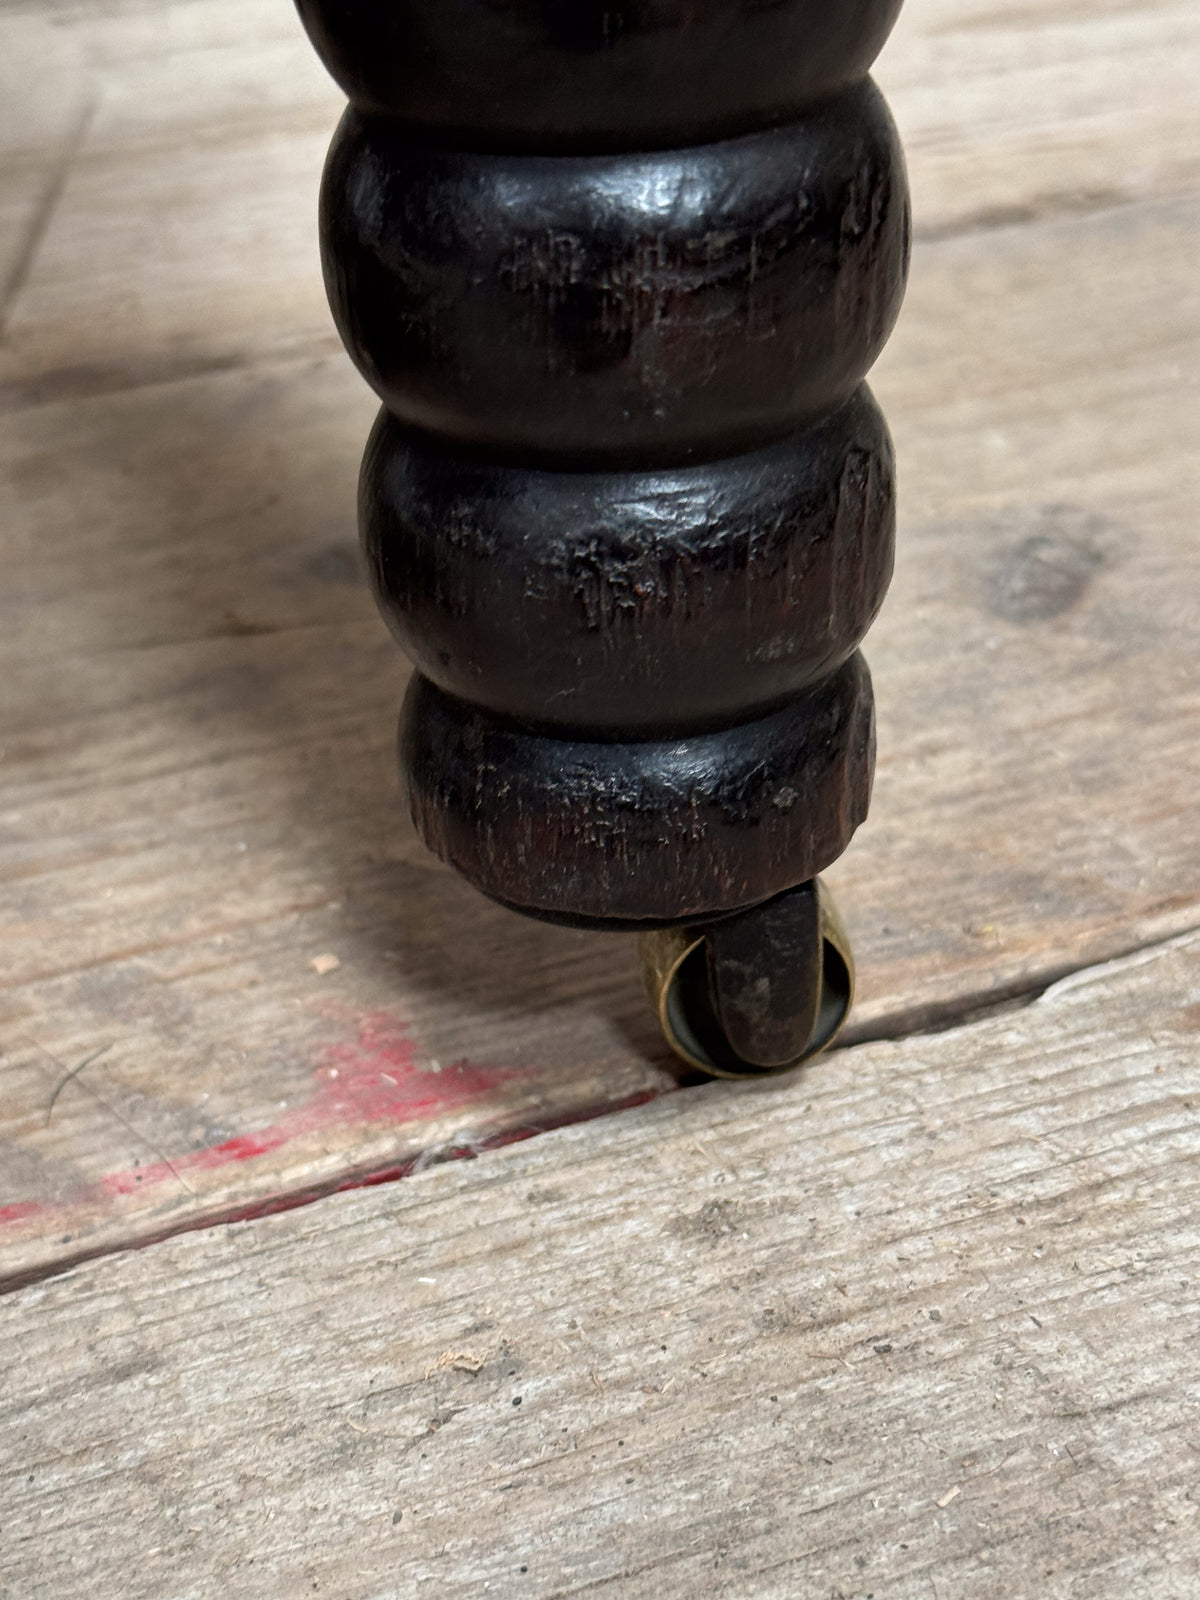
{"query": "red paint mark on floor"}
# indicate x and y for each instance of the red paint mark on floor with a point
(376, 1078)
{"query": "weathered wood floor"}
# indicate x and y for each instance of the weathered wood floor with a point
(929, 1310)
(923, 1324)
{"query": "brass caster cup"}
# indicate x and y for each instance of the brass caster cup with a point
(810, 976)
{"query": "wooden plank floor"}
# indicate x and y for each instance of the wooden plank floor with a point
(197, 796)
(918, 1322)
(924, 1324)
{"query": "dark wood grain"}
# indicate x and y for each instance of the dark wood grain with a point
(565, 73)
(649, 832)
(653, 307)
(576, 599)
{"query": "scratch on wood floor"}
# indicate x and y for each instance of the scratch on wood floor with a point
(40, 222)
(112, 1110)
(74, 1073)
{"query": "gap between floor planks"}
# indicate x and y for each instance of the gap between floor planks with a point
(928, 1322)
(895, 1030)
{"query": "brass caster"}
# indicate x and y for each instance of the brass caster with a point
(757, 993)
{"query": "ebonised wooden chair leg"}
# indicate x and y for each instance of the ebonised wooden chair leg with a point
(617, 271)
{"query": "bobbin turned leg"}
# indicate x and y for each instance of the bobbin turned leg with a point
(617, 273)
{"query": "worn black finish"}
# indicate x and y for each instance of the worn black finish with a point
(657, 830)
(617, 272)
(575, 599)
(555, 75)
(663, 307)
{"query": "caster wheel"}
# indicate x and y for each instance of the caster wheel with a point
(756, 993)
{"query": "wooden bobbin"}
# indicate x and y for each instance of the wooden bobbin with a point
(617, 273)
